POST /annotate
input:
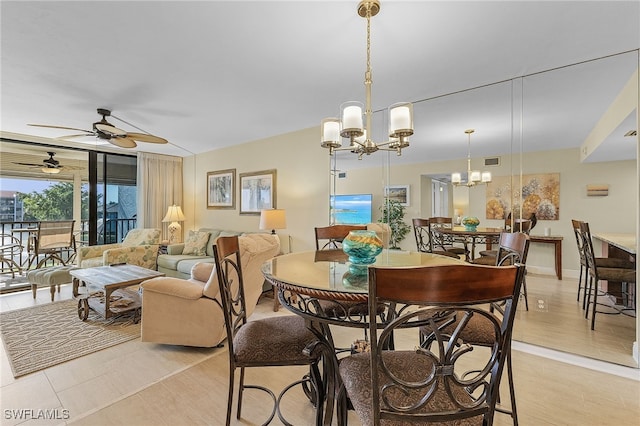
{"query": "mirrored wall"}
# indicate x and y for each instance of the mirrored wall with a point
(528, 130)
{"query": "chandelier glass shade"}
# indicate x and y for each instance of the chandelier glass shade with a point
(474, 177)
(354, 123)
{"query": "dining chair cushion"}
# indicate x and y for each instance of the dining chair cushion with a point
(611, 262)
(196, 243)
(273, 341)
(408, 365)
(484, 260)
(617, 274)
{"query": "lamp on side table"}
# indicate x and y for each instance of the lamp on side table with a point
(273, 219)
(174, 215)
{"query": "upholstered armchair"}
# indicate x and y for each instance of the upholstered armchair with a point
(140, 247)
(188, 312)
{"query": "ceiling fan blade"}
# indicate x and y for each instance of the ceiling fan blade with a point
(112, 130)
(79, 135)
(123, 142)
(61, 127)
(67, 168)
(143, 137)
(27, 164)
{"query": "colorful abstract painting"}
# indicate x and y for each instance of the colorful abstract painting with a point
(540, 195)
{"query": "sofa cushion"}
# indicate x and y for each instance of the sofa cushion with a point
(185, 266)
(141, 237)
(196, 243)
(172, 261)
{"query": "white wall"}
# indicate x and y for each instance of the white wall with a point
(303, 190)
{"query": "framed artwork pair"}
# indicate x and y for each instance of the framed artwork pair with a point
(257, 190)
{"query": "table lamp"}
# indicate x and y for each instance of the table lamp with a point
(174, 215)
(273, 219)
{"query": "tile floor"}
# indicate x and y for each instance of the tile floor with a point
(139, 383)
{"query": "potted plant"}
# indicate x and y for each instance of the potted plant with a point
(393, 215)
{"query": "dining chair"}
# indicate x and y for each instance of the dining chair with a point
(423, 241)
(335, 234)
(272, 341)
(330, 237)
(428, 384)
(513, 248)
(625, 275)
(518, 225)
(50, 240)
(438, 242)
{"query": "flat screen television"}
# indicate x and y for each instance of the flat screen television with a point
(350, 209)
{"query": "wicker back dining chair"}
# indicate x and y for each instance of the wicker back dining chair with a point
(273, 341)
(432, 384)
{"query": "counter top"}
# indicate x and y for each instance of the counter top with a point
(626, 242)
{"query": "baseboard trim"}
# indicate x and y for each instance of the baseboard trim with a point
(580, 361)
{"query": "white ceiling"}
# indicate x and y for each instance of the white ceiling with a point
(209, 74)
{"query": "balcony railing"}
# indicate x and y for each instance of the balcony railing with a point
(111, 231)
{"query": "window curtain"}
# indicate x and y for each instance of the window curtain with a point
(159, 186)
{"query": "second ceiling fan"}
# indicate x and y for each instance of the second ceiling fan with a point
(106, 131)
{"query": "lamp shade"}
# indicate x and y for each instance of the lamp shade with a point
(50, 170)
(174, 214)
(273, 219)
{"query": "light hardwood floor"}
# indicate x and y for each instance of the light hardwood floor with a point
(139, 383)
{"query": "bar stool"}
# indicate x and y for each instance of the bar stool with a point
(596, 273)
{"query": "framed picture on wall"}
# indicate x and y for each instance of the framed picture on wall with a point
(221, 189)
(399, 193)
(257, 191)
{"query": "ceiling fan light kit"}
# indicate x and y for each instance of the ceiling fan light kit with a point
(351, 125)
(50, 165)
(103, 130)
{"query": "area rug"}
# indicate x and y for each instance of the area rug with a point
(45, 335)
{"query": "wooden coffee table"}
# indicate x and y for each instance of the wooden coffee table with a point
(112, 281)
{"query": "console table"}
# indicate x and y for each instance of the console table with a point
(556, 240)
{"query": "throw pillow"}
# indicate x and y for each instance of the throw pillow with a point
(196, 243)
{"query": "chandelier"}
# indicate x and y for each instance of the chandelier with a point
(351, 126)
(474, 177)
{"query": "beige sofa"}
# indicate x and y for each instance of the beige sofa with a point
(177, 264)
(187, 312)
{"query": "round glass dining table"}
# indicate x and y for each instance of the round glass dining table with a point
(328, 274)
(326, 289)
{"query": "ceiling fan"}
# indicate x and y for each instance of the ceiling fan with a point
(106, 131)
(50, 165)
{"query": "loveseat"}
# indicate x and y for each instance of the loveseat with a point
(188, 312)
(177, 262)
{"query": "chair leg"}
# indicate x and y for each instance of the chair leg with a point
(512, 391)
(585, 300)
(230, 395)
(579, 284)
(240, 392)
(524, 291)
(595, 303)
